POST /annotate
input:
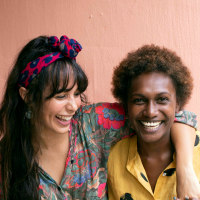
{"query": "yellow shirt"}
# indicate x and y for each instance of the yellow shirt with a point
(128, 180)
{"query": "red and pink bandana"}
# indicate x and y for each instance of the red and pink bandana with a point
(65, 48)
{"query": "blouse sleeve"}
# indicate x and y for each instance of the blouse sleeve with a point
(102, 124)
(186, 117)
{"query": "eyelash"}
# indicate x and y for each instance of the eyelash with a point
(60, 96)
(65, 95)
(77, 94)
(140, 101)
(163, 99)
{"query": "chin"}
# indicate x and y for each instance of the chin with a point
(61, 132)
(151, 137)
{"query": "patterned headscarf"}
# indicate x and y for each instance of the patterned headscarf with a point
(65, 48)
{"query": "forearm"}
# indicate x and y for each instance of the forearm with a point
(183, 137)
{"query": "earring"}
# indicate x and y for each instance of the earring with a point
(28, 114)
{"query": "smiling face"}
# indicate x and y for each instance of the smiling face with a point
(57, 111)
(151, 106)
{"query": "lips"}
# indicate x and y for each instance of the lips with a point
(151, 125)
(63, 118)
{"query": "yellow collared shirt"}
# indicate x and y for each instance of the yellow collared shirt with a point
(128, 180)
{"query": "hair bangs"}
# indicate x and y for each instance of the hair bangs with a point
(59, 78)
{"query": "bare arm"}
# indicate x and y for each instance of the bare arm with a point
(183, 137)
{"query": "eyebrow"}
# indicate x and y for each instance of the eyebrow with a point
(141, 95)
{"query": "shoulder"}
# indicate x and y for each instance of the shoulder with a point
(196, 152)
(105, 115)
(100, 107)
(196, 155)
(119, 156)
(121, 148)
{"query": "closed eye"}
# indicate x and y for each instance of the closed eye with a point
(77, 94)
(66, 95)
(60, 96)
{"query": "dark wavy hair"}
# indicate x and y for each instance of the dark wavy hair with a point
(19, 166)
(151, 58)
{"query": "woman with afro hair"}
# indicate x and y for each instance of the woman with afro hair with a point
(153, 85)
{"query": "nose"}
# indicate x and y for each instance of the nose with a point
(151, 110)
(71, 105)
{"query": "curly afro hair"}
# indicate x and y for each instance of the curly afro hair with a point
(151, 58)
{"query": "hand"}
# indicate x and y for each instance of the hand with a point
(188, 187)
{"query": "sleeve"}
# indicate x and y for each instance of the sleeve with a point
(186, 117)
(102, 124)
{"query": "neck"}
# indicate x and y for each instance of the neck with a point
(51, 151)
(155, 155)
(43, 142)
(155, 149)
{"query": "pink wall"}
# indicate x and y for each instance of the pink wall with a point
(107, 30)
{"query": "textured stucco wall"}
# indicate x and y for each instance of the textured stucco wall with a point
(107, 30)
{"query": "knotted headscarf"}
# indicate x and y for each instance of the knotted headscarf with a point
(64, 48)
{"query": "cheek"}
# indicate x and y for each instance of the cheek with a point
(134, 111)
(78, 102)
(170, 113)
(52, 107)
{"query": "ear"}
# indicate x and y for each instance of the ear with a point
(22, 93)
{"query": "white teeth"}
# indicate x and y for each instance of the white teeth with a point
(63, 117)
(151, 124)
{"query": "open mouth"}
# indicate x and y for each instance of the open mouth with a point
(63, 118)
(152, 126)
